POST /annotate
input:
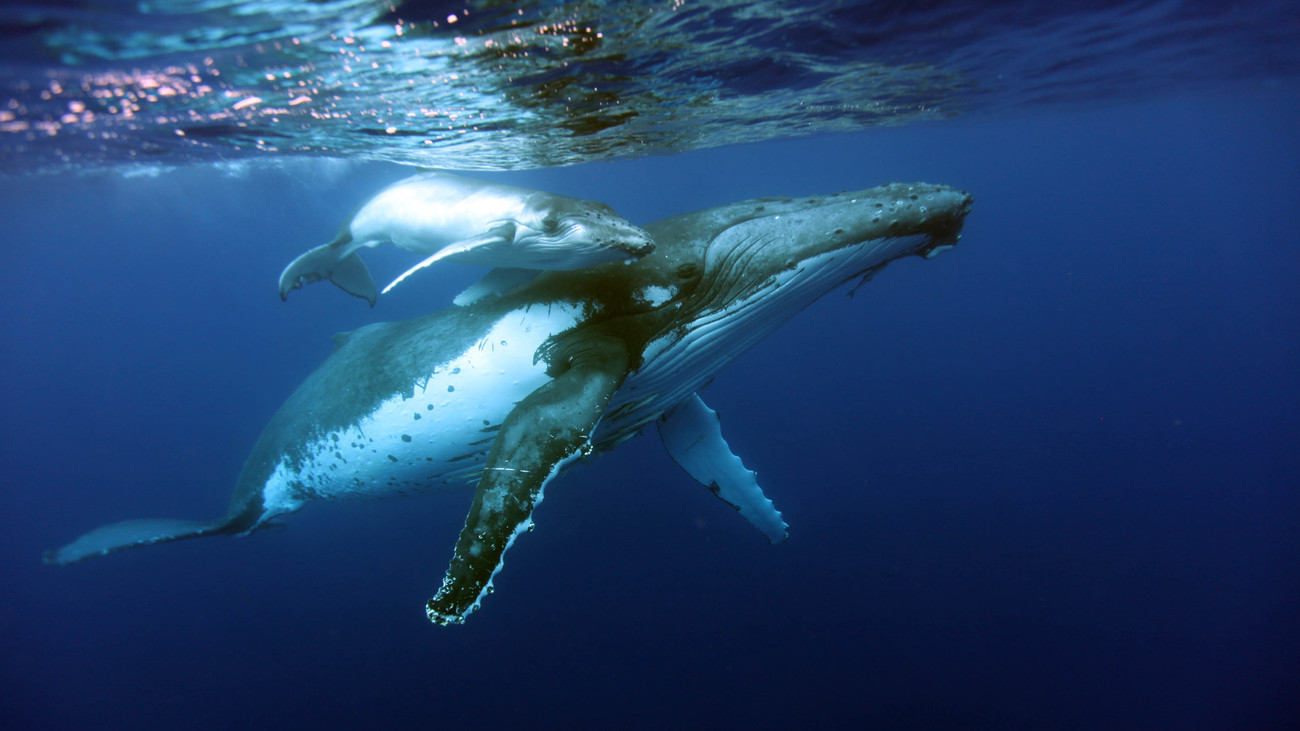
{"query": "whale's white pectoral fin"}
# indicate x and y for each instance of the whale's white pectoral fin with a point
(435, 257)
(132, 533)
(496, 236)
(547, 430)
(693, 436)
(494, 283)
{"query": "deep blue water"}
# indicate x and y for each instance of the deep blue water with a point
(1049, 479)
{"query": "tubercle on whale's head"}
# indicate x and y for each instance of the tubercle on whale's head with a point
(777, 234)
(596, 225)
(579, 245)
(581, 234)
(611, 233)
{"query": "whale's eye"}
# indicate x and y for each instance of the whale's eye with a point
(687, 270)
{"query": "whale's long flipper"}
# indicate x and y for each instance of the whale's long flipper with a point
(349, 273)
(132, 533)
(692, 435)
(497, 236)
(547, 430)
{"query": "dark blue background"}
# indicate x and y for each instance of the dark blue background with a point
(1048, 479)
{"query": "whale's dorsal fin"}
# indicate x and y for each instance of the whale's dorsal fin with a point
(495, 283)
(547, 430)
(341, 338)
(692, 434)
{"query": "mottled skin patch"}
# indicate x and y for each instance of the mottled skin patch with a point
(552, 425)
(614, 362)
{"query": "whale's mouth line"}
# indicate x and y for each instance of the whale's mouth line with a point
(627, 239)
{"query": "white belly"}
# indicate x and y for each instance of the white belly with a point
(424, 214)
(435, 438)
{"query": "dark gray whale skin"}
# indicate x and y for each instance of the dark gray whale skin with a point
(557, 370)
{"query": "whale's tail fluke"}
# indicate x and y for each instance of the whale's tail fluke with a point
(131, 533)
(323, 262)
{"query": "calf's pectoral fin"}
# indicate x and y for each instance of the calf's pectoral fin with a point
(550, 428)
(132, 533)
(497, 235)
(349, 273)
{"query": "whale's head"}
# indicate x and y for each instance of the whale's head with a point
(580, 234)
(722, 279)
(816, 243)
(739, 271)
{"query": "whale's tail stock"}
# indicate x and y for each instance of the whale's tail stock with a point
(131, 533)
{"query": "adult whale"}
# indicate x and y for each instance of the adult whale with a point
(509, 390)
(444, 216)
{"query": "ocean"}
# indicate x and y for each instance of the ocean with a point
(1049, 479)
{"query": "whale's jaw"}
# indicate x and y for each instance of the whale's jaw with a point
(538, 373)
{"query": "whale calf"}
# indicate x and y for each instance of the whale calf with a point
(506, 392)
(444, 216)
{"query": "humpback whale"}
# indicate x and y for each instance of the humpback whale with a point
(444, 216)
(506, 392)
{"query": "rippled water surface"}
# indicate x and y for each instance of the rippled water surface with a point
(502, 86)
(1045, 480)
